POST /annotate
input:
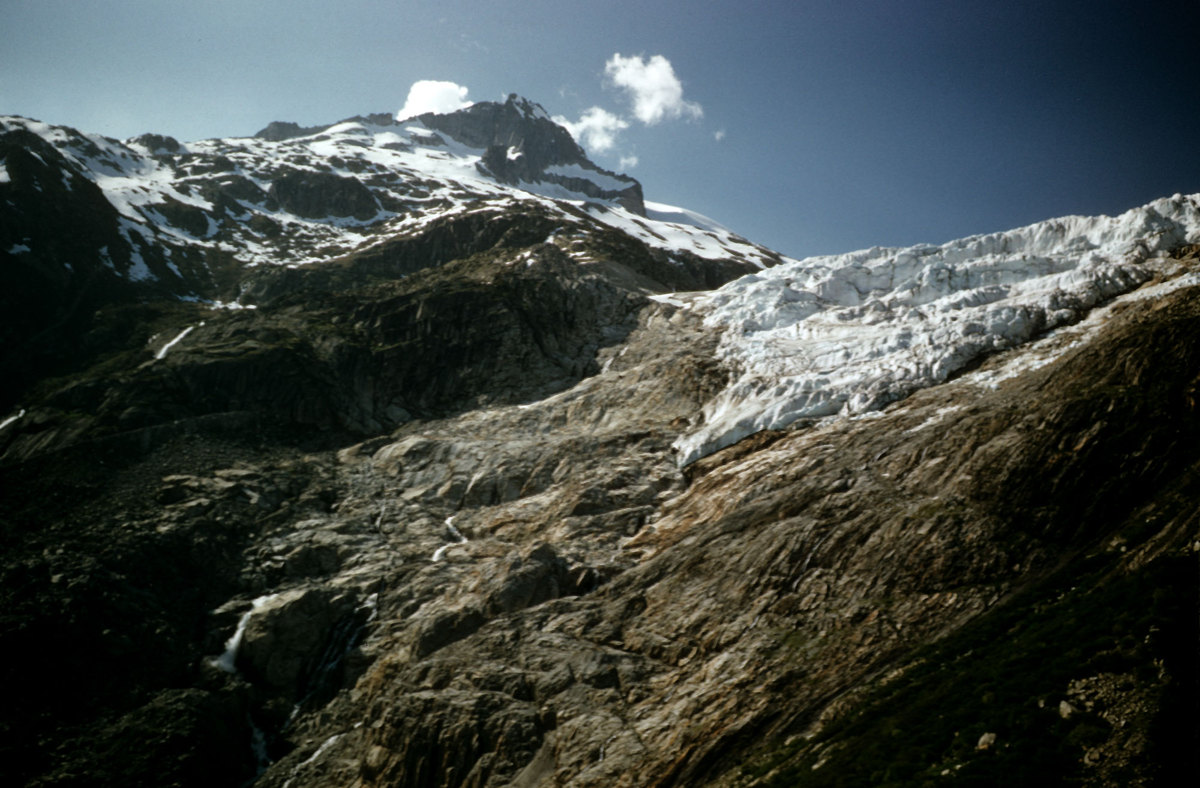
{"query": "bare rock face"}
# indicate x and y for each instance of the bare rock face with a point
(288, 635)
(316, 195)
(158, 144)
(278, 130)
(62, 253)
(795, 581)
(536, 594)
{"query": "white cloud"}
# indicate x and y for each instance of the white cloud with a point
(656, 92)
(596, 130)
(628, 163)
(428, 95)
(719, 135)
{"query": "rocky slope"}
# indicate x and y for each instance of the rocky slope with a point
(475, 496)
(91, 221)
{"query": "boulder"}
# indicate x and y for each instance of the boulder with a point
(289, 639)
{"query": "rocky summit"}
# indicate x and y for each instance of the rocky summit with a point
(426, 452)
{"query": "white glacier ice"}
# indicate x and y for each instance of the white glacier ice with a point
(847, 334)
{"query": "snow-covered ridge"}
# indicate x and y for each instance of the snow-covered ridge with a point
(249, 198)
(847, 334)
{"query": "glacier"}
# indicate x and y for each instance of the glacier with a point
(844, 335)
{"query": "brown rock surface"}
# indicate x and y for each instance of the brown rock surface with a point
(766, 599)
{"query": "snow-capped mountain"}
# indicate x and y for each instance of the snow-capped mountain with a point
(187, 213)
(843, 334)
(427, 453)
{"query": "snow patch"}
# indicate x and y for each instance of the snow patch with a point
(455, 534)
(671, 299)
(710, 243)
(325, 745)
(11, 419)
(936, 418)
(162, 351)
(606, 182)
(662, 212)
(138, 270)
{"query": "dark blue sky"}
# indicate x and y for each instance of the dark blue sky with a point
(826, 126)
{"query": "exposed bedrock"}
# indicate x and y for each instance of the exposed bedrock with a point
(355, 348)
(426, 524)
(317, 195)
(801, 573)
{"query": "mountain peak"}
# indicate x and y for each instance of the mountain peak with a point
(528, 108)
(520, 144)
(188, 217)
(523, 145)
